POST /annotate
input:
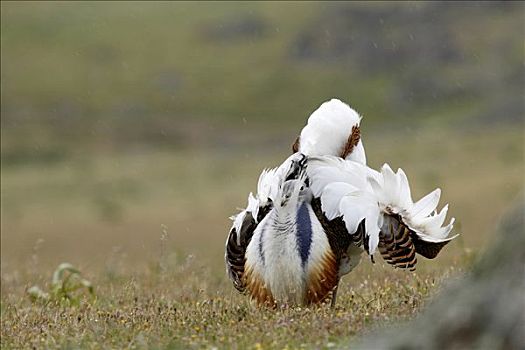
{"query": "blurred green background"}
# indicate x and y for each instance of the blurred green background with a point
(127, 126)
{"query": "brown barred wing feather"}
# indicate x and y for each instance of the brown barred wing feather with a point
(236, 249)
(396, 243)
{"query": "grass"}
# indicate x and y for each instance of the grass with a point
(147, 230)
(187, 307)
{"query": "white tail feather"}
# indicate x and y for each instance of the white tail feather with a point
(268, 185)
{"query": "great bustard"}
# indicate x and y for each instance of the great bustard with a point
(315, 214)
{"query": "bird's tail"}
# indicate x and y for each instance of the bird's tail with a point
(332, 129)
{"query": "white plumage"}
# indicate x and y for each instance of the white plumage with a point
(268, 187)
(356, 192)
(328, 129)
(393, 195)
(315, 214)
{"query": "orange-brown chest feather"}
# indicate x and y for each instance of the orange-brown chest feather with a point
(320, 277)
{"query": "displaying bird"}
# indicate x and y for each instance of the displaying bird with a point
(314, 216)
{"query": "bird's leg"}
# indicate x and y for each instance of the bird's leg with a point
(334, 296)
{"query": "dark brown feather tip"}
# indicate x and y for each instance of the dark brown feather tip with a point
(352, 141)
(428, 249)
(295, 145)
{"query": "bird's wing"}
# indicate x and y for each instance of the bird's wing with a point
(393, 223)
(409, 228)
(238, 239)
(393, 194)
(343, 201)
(338, 237)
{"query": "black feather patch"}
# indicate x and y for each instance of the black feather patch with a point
(235, 253)
(304, 232)
(428, 249)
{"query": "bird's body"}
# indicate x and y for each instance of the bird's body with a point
(314, 216)
(289, 258)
